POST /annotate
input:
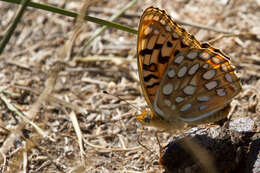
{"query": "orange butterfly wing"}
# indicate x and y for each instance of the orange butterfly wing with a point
(158, 42)
(177, 72)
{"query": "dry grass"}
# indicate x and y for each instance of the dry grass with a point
(40, 58)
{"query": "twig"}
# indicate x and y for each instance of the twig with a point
(113, 11)
(4, 162)
(21, 114)
(247, 35)
(209, 28)
(25, 161)
(102, 58)
(19, 64)
(78, 132)
(78, 26)
(105, 150)
(47, 90)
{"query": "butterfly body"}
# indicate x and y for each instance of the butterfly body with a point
(184, 82)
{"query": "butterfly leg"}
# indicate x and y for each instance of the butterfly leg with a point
(139, 142)
(158, 141)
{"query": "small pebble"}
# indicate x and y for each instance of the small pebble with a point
(244, 124)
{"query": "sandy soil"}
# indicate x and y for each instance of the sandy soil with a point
(108, 125)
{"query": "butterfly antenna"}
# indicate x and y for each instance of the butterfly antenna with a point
(105, 92)
(141, 131)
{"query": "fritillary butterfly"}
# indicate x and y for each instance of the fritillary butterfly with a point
(184, 82)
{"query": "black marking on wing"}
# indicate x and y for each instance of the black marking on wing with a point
(157, 46)
(183, 45)
(163, 59)
(146, 51)
(206, 45)
(151, 67)
(149, 77)
(154, 84)
(176, 53)
(182, 30)
(169, 44)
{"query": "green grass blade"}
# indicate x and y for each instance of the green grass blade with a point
(74, 15)
(10, 31)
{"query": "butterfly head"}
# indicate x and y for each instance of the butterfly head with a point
(145, 117)
(148, 118)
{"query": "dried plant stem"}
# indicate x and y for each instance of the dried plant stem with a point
(248, 35)
(105, 149)
(75, 124)
(102, 58)
(21, 114)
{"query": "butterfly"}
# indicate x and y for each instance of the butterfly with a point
(184, 82)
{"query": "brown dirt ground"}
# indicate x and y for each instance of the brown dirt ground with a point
(108, 126)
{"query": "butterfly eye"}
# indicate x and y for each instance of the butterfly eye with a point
(147, 118)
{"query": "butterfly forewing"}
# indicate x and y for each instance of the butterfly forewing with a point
(181, 78)
(158, 42)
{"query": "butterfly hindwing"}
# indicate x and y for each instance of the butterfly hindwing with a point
(196, 84)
